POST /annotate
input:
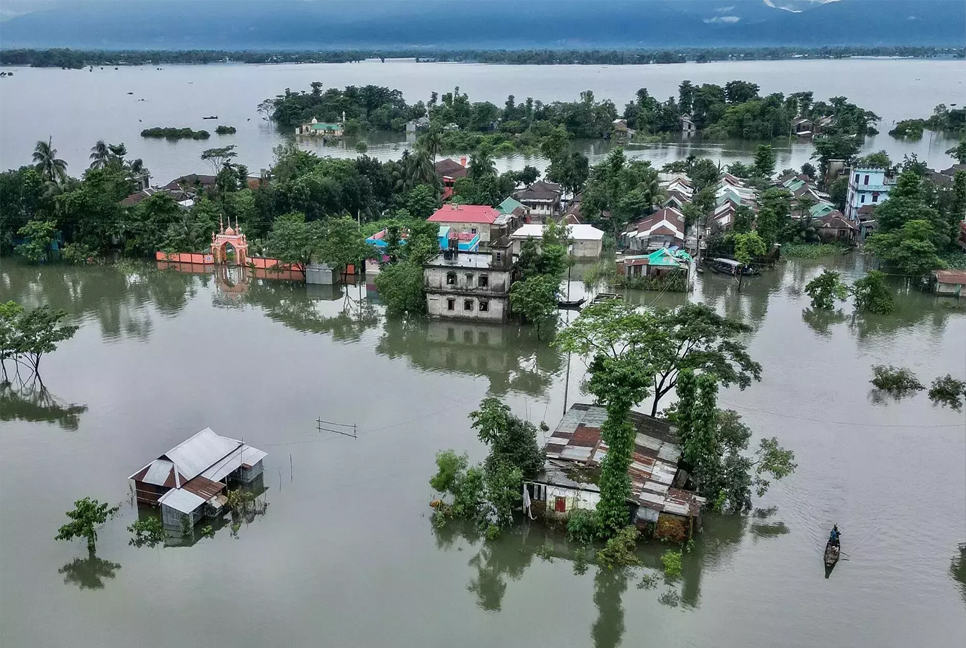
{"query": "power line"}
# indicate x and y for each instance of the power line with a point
(852, 423)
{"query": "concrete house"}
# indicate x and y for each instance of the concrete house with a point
(190, 479)
(470, 286)
(662, 228)
(542, 198)
(586, 241)
(315, 128)
(483, 220)
(867, 186)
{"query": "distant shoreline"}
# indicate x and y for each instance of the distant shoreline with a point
(79, 59)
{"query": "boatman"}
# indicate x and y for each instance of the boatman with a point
(833, 537)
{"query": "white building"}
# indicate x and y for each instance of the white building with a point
(586, 241)
(867, 187)
(470, 285)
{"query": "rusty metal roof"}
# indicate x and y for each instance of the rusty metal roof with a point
(203, 487)
(654, 460)
(950, 276)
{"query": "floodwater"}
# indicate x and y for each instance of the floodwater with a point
(78, 107)
(345, 554)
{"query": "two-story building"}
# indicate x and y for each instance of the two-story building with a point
(542, 198)
(483, 220)
(469, 285)
(867, 186)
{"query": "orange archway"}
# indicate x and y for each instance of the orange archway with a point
(226, 237)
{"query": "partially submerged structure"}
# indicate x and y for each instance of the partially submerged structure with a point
(574, 453)
(190, 479)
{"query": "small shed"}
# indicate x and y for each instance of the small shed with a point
(949, 282)
(319, 273)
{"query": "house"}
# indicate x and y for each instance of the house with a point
(657, 264)
(513, 207)
(586, 241)
(315, 128)
(949, 282)
(542, 198)
(688, 127)
(663, 228)
(821, 210)
(803, 127)
(575, 450)
(414, 125)
(449, 171)
(192, 181)
(621, 130)
(185, 199)
(867, 186)
(189, 479)
(470, 285)
(835, 227)
(483, 220)
(676, 199)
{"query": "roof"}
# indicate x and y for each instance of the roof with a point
(577, 441)
(471, 260)
(465, 214)
(836, 220)
(181, 500)
(190, 180)
(575, 232)
(326, 126)
(450, 168)
(510, 205)
(540, 190)
(668, 219)
(198, 453)
(955, 277)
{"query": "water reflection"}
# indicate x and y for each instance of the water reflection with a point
(958, 569)
(34, 403)
(88, 573)
(821, 320)
(510, 357)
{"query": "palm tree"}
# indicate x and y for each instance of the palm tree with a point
(100, 155)
(432, 143)
(481, 164)
(50, 167)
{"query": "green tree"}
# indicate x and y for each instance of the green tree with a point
(878, 160)
(27, 335)
(570, 170)
(834, 147)
(535, 299)
(422, 201)
(100, 155)
(292, 240)
(400, 287)
(511, 440)
(872, 294)
(618, 337)
(910, 249)
(748, 247)
(839, 192)
(826, 289)
(219, 157)
(958, 152)
(341, 243)
(765, 160)
(51, 168)
(39, 236)
(88, 515)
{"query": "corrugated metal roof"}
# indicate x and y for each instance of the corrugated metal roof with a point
(203, 487)
(181, 500)
(198, 453)
(653, 461)
(251, 456)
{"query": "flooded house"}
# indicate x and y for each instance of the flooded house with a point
(470, 285)
(192, 478)
(574, 453)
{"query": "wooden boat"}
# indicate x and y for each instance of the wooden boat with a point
(832, 553)
(571, 304)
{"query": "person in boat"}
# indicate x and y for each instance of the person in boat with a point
(833, 536)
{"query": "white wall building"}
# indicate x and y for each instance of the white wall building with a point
(470, 285)
(586, 240)
(867, 187)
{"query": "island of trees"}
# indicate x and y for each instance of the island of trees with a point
(735, 110)
(225, 130)
(945, 120)
(175, 133)
(77, 59)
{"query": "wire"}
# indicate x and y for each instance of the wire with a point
(853, 423)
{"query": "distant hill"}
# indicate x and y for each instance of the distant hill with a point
(483, 24)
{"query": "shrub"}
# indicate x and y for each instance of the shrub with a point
(948, 391)
(619, 550)
(672, 564)
(895, 380)
(810, 250)
(225, 130)
(583, 526)
(872, 295)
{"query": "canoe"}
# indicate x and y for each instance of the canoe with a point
(572, 304)
(832, 554)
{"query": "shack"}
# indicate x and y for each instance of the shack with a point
(575, 450)
(190, 479)
(949, 282)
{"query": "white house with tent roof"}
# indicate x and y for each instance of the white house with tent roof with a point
(190, 479)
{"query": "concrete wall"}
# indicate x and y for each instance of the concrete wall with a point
(438, 305)
(467, 280)
(483, 229)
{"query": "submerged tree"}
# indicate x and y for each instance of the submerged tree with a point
(27, 335)
(88, 515)
(872, 295)
(826, 289)
(148, 532)
(949, 391)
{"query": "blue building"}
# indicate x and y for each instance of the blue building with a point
(867, 187)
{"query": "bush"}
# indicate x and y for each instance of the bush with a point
(672, 564)
(619, 550)
(895, 380)
(872, 295)
(225, 130)
(948, 391)
(583, 526)
(671, 282)
(175, 133)
(810, 250)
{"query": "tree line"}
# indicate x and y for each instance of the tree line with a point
(77, 59)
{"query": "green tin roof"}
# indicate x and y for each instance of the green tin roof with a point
(324, 126)
(821, 209)
(508, 205)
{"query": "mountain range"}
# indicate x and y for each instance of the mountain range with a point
(479, 24)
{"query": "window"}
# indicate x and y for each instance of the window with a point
(450, 278)
(484, 281)
(560, 504)
(451, 305)
(856, 178)
(469, 278)
(467, 304)
(499, 257)
(866, 181)
(473, 230)
(484, 307)
(875, 197)
(862, 198)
